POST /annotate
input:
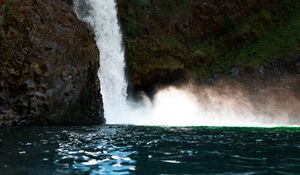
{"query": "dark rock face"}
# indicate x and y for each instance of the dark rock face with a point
(194, 40)
(70, 2)
(48, 68)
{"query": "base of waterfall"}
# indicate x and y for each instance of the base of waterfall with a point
(206, 106)
(224, 104)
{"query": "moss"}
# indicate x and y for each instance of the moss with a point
(205, 50)
(8, 13)
(281, 42)
(171, 42)
(208, 37)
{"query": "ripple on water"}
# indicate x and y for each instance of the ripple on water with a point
(95, 152)
(149, 150)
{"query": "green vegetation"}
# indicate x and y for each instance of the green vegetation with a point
(7, 19)
(7, 13)
(207, 37)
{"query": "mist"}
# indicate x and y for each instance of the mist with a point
(221, 104)
(272, 101)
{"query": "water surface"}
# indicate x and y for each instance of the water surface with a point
(149, 150)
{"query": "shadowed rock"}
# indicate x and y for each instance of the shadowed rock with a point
(48, 68)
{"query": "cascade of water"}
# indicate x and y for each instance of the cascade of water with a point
(102, 16)
(171, 106)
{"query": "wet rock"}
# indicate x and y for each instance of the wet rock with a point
(70, 2)
(234, 72)
(206, 38)
(49, 63)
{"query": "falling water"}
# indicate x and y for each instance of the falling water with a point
(102, 16)
(171, 106)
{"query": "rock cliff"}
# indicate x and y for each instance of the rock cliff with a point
(48, 68)
(170, 41)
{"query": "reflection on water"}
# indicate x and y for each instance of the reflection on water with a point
(95, 153)
(149, 150)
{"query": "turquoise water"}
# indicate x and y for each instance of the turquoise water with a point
(149, 150)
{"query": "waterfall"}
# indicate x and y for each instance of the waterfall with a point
(185, 106)
(101, 15)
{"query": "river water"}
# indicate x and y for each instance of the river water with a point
(121, 149)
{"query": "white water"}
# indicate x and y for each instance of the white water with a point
(109, 40)
(171, 106)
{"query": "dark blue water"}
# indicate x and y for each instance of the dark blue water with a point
(149, 150)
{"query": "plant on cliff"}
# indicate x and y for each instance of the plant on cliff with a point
(208, 37)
